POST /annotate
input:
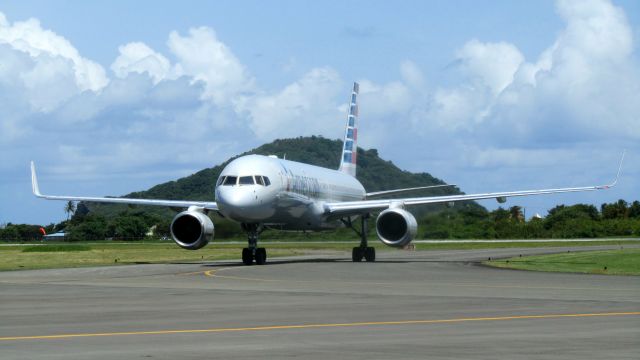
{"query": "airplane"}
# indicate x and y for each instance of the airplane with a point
(267, 192)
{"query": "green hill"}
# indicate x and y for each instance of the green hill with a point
(373, 172)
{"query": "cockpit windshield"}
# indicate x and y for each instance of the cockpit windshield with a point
(230, 180)
(246, 180)
(243, 180)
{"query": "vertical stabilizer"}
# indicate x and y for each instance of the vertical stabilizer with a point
(350, 146)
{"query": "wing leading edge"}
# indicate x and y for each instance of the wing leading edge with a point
(154, 202)
(358, 207)
(399, 191)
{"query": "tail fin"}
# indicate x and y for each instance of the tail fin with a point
(350, 147)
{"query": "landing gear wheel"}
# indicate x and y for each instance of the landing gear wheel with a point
(247, 256)
(370, 254)
(261, 256)
(253, 252)
(356, 254)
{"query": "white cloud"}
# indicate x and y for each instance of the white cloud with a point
(147, 116)
(307, 106)
(460, 108)
(493, 64)
(140, 58)
(411, 74)
(205, 58)
(596, 29)
(585, 84)
(28, 36)
(388, 99)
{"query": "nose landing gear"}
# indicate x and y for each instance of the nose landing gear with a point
(253, 252)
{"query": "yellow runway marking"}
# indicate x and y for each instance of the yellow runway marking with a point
(190, 273)
(316, 326)
(213, 273)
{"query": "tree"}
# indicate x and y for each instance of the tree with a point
(579, 220)
(634, 210)
(89, 228)
(81, 211)
(161, 228)
(617, 210)
(70, 208)
(500, 214)
(128, 227)
(516, 214)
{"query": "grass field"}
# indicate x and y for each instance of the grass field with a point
(60, 255)
(612, 262)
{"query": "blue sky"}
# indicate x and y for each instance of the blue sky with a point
(113, 97)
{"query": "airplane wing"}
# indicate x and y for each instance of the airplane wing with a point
(365, 206)
(399, 191)
(168, 203)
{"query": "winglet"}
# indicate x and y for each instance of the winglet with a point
(619, 168)
(34, 181)
(618, 174)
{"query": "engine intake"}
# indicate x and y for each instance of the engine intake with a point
(192, 230)
(396, 227)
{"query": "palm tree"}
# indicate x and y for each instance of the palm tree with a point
(516, 213)
(70, 208)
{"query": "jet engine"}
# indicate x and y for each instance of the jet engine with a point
(396, 227)
(192, 229)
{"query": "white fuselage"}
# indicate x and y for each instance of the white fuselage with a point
(289, 195)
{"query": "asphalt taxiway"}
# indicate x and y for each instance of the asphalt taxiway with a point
(408, 305)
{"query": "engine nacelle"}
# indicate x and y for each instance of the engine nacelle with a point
(396, 227)
(192, 230)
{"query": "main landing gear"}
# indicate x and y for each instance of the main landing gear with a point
(364, 250)
(253, 252)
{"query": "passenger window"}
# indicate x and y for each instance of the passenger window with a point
(230, 181)
(246, 180)
(220, 180)
(259, 180)
(266, 181)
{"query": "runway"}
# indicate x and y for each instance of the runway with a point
(408, 305)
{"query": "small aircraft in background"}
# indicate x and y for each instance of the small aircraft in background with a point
(265, 192)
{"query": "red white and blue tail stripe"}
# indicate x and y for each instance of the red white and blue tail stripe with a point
(350, 146)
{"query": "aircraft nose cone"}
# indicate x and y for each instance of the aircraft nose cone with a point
(231, 198)
(241, 204)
